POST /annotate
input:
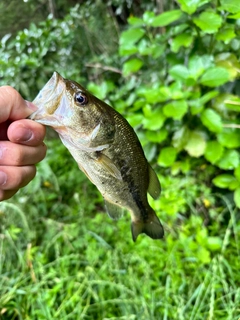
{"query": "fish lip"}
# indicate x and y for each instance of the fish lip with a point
(46, 99)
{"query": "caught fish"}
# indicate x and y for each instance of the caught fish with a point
(105, 148)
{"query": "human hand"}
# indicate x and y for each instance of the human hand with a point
(21, 142)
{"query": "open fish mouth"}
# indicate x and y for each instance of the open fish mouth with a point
(51, 102)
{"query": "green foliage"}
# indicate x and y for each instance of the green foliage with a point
(174, 75)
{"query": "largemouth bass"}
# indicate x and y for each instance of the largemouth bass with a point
(105, 148)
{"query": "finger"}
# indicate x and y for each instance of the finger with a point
(26, 132)
(7, 194)
(13, 178)
(12, 154)
(12, 105)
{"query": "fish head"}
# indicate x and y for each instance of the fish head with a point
(73, 112)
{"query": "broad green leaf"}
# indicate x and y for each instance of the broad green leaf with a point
(215, 76)
(154, 121)
(132, 66)
(214, 243)
(131, 36)
(230, 5)
(224, 180)
(226, 34)
(135, 21)
(181, 40)
(230, 62)
(229, 138)
(196, 144)
(167, 156)
(237, 197)
(166, 18)
(180, 138)
(175, 109)
(234, 16)
(208, 96)
(212, 120)
(237, 173)
(232, 103)
(135, 119)
(179, 72)
(229, 160)
(157, 136)
(214, 151)
(190, 6)
(208, 22)
(148, 17)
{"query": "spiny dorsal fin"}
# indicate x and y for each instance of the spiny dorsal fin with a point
(115, 212)
(154, 188)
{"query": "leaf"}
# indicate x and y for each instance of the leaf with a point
(155, 121)
(215, 76)
(236, 197)
(166, 18)
(229, 160)
(167, 156)
(196, 144)
(229, 138)
(214, 243)
(224, 180)
(226, 34)
(181, 40)
(208, 22)
(190, 6)
(180, 138)
(157, 136)
(212, 120)
(230, 5)
(175, 109)
(237, 173)
(131, 36)
(132, 66)
(179, 72)
(214, 151)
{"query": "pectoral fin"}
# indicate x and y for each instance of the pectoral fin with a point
(154, 188)
(115, 212)
(109, 166)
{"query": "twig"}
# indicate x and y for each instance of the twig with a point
(231, 125)
(105, 68)
(232, 102)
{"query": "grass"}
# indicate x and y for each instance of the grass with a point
(61, 257)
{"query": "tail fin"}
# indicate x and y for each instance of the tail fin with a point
(151, 227)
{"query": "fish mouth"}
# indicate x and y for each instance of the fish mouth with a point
(48, 100)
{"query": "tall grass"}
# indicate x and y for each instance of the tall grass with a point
(61, 257)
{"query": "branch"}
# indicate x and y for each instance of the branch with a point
(231, 125)
(105, 68)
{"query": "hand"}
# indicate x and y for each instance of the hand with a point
(21, 142)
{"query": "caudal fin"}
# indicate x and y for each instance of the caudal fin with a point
(151, 227)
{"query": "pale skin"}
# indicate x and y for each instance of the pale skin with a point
(21, 142)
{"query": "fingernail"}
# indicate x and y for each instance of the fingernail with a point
(24, 134)
(3, 178)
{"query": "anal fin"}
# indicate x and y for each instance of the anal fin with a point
(114, 211)
(154, 188)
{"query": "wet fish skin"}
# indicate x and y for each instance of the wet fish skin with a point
(106, 149)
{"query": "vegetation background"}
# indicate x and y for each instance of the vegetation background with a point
(171, 68)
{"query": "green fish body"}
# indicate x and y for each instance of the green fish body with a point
(106, 149)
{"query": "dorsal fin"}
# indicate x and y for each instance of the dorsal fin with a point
(154, 187)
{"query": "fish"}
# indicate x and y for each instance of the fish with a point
(106, 149)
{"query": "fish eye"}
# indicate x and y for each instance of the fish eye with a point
(81, 98)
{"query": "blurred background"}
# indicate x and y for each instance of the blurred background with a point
(171, 68)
